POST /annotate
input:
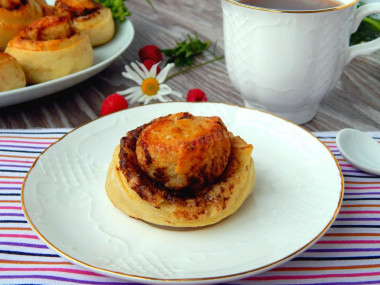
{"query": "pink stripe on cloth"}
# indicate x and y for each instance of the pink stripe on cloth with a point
(361, 188)
(358, 212)
(27, 142)
(18, 236)
(10, 208)
(348, 241)
(65, 270)
(314, 276)
(17, 161)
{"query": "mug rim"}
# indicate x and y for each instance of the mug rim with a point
(342, 6)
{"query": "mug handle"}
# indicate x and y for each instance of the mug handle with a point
(368, 47)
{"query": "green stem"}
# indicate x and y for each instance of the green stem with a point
(375, 24)
(151, 5)
(193, 67)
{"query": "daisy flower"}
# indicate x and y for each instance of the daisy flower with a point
(151, 85)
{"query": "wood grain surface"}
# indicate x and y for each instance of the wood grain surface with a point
(355, 101)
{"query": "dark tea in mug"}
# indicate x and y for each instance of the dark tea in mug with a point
(292, 5)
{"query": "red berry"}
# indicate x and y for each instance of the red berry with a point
(196, 95)
(149, 63)
(113, 103)
(150, 52)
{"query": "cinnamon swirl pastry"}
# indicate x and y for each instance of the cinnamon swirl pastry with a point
(16, 15)
(90, 17)
(181, 171)
(50, 48)
(11, 74)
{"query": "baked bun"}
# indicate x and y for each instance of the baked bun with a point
(16, 15)
(11, 74)
(50, 48)
(90, 17)
(184, 152)
(142, 194)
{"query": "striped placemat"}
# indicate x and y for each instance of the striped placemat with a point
(349, 253)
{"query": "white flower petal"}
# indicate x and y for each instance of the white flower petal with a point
(150, 98)
(133, 78)
(138, 70)
(130, 90)
(133, 98)
(143, 67)
(133, 75)
(153, 69)
(141, 98)
(144, 99)
(161, 77)
(175, 93)
(162, 99)
(164, 89)
(128, 76)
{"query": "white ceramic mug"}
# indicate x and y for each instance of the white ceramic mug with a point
(285, 62)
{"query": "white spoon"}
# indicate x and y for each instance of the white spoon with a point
(360, 149)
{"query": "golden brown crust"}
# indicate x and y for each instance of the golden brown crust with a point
(89, 17)
(183, 151)
(50, 48)
(11, 74)
(48, 28)
(139, 196)
(15, 15)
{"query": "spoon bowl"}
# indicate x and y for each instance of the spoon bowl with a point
(360, 149)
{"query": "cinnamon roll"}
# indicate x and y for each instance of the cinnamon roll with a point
(50, 48)
(11, 74)
(90, 17)
(16, 15)
(181, 171)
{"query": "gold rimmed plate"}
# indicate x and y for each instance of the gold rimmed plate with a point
(298, 193)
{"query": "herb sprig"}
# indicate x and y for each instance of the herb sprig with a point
(184, 52)
(119, 9)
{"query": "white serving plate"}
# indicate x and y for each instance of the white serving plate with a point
(297, 195)
(103, 56)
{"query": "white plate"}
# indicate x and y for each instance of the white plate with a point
(103, 56)
(296, 198)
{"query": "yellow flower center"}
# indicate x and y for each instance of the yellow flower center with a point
(150, 86)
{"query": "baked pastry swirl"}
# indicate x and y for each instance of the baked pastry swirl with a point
(89, 17)
(50, 48)
(201, 179)
(11, 74)
(16, 15)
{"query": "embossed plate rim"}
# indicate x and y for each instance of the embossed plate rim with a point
(173, 107)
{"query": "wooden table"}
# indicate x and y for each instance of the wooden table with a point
(355, 102)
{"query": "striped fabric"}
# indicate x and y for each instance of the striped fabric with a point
(349, 253)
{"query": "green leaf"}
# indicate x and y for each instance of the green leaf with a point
(117, 7)
(184, 52)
